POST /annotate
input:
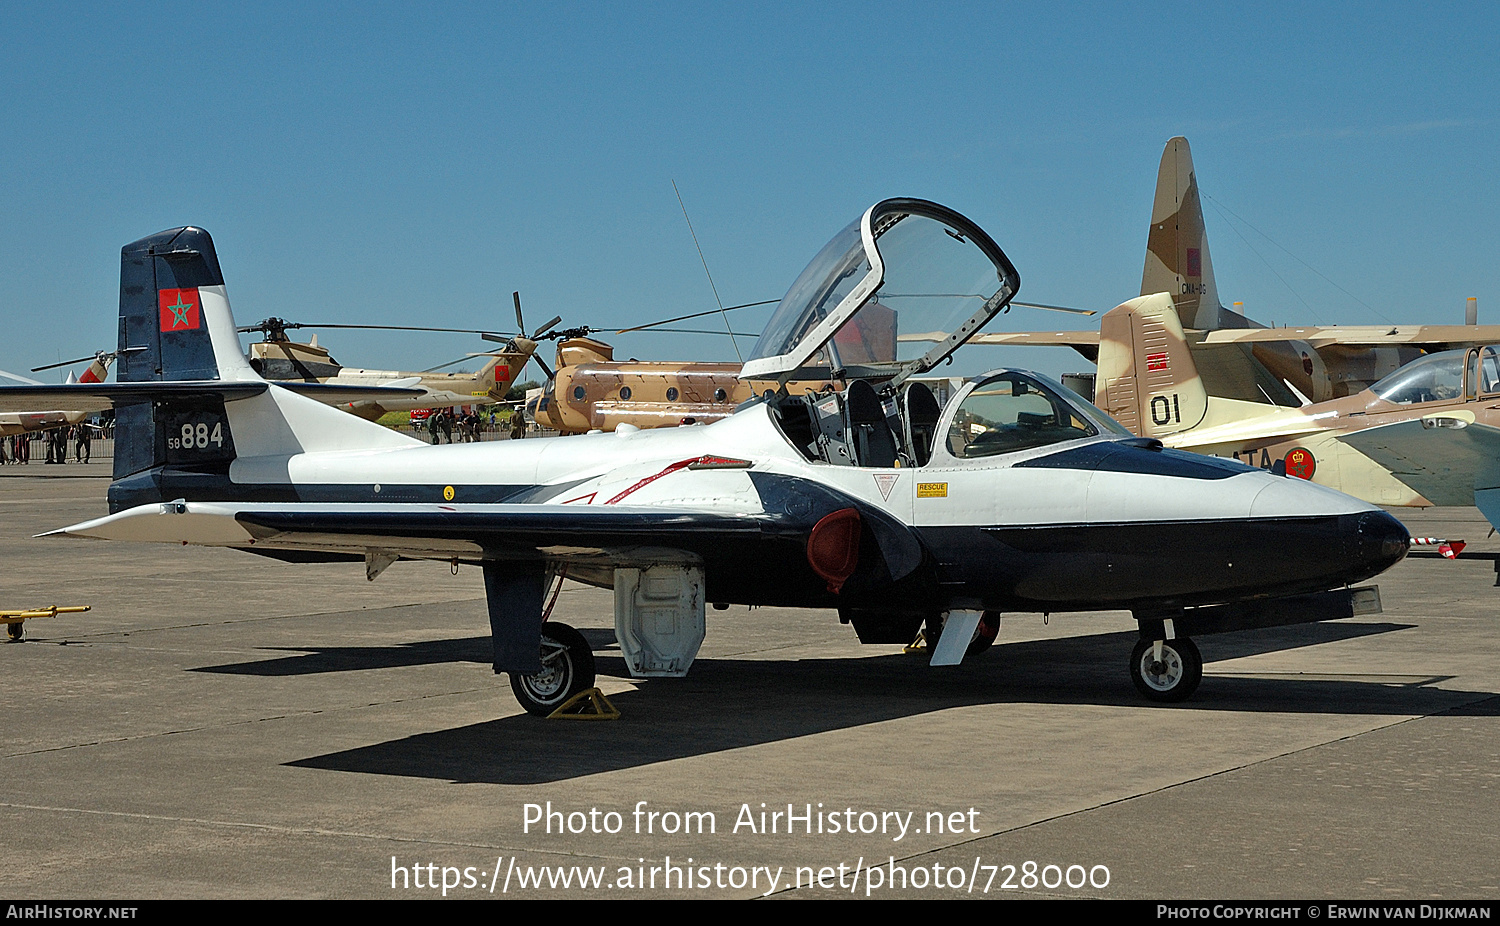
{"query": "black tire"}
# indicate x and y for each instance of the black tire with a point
(15, 632)
(567, 668)
(984, 634)
(1175, 678)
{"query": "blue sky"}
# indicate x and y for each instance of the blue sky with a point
(411, 163)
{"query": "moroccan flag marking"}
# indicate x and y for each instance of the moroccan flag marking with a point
(1300, 463)
(1157, 361)
(179, 309)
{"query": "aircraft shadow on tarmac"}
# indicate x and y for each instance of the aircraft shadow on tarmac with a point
(314, 661)
(732, 703)
(318, 660)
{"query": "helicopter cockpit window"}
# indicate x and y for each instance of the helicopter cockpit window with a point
(1429, 379)
(1013, 412)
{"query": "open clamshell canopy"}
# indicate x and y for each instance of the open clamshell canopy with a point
(891, 296)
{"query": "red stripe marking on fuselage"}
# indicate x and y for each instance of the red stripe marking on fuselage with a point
(650, 479)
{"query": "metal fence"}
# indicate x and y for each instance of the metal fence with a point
(32, 448)
(103, 448)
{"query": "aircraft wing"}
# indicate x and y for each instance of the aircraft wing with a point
(1271, 426)
(94, 397)
(1040, 338)
(722, 535)
(1433, 337)
(1444, 456)
(1085, 342)
(419, 530)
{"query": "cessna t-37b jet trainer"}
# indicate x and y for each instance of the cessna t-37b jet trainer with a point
(869, 499)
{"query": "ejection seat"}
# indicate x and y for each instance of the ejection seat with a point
(919, 418)
(870, 435)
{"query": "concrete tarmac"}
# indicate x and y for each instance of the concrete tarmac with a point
(220, 725)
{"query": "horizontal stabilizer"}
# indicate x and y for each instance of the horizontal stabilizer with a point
(1039, 338)
(94, 397)
(1431, 337)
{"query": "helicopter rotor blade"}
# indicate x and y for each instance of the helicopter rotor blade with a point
(722, 334)
(479, 331)
(545, 328)
(516, 298)
(65, 363)
(683, 318)
(543, 364)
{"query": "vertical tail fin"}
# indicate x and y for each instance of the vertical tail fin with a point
(175, 322)
(175, 325)
(1147, 379)
(1177, 247)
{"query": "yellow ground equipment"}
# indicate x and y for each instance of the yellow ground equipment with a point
(15, 621)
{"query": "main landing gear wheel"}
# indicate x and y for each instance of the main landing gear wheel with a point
(984, 634)
(1175, 677)
(16, 632)
(567, 669)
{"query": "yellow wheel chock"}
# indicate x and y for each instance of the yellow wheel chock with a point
(15, 621)
(919, 645)
(586, 705)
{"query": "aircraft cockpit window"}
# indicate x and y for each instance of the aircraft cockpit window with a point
(1435, 378)
(891, 296)
(1489, 371)
(1012, 412)
(821, 287)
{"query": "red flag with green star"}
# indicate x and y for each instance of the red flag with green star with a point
(179, 309)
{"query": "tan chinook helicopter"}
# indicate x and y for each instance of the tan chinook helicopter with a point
(591, 391)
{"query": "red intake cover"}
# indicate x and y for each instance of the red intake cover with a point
(833, 547)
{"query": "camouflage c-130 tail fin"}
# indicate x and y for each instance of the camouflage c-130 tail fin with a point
(1147, 379)
(1177, 247)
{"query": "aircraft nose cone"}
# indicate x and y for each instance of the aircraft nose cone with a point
(1383, 540)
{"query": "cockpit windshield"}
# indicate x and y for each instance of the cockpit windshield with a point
(1018, 411)
(890, 296)
(1428, 379)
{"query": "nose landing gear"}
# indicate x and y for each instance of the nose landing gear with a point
(1166, 670)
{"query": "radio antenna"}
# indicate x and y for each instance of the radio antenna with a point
(706, 273)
